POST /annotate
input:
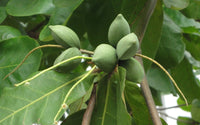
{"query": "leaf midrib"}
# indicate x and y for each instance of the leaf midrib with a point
(40, 98)
(106, 103)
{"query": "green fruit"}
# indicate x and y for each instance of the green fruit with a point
(105, 57)
(134, 70)
(118, 29)
(65, 36)
(127, 46)
(68, 66)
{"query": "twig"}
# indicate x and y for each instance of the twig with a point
(88, 113)
(52, 67)
(86, 51)
(39, 47)
(64, 105)
(152, 60)
(177, 106)
(180, 120)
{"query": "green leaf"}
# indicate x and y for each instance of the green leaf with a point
(7, 32)
(185, 108)
(137, 104)
(163, 121)
(171, 48)
(100, 14)
(181, 20)
(193, 45)
(98, 19)
(193, 9)
(12, 52)
(74, 119)
(158, 80)
(67, 3)
(3, 14)
(32, 23)
(185, 121)
(80, 103)
(176, 4)
(15, 23)
(39, 101)
(29, 7)
(60, 16)
(185, 79)
(195, 110)
(151, 40)
(110, 108)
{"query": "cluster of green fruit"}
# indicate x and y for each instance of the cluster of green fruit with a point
(123, 46)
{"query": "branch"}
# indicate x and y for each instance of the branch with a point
(86, 51)
(178, 106)
(180, 120)
(88, 113)
(150, 102)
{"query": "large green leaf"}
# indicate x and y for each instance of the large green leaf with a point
(29, 7)
(158, 80)
(74, 119)
(60, 16)
(193, 9)
(98, 20)
(7, 32)
(137, 104)
(110, 108)
(181, 20)
(67, 3)
(193, 45)
(12, 52)
(171, 48)
(185, 78)
(151, 40)
(176, 4)
(39, 101)
(100, 14)
(195, 110)
(2, 14)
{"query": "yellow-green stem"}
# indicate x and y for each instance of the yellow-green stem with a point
(54, 66)
(39, 47)
(69, 92)
(158, 64)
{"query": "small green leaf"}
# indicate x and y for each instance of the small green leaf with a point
(185, 79)
(158, 80)
(137, 104)
(3, 14)
(176, 4)
(12, 52)
(110, 108)
(74, 119)
(195, 110)
(29, 7)
(171, 49)
(7, 32)
(39, 100)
